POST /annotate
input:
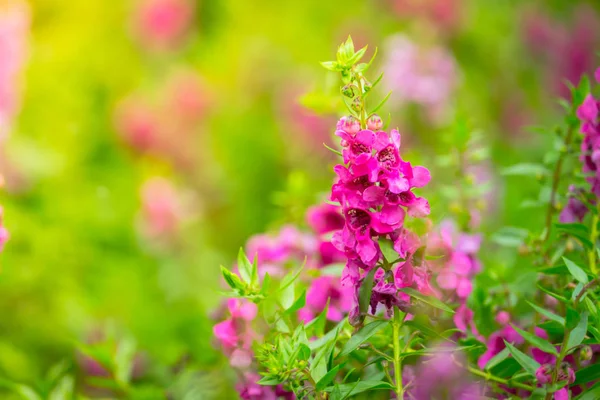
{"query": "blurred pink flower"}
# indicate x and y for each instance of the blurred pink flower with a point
(14, 28)
(166, 121)
(162, 208)
(441, 13)
(322, 290)
(427, 77)
(137, 122)
(565, 49)
(441, 376)
(3, 231)
(163, 24)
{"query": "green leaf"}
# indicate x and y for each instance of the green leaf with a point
(124, 358)
(432, 301)
(578, 333)
(352, 389)
(298, 304)
(536, 341)
(588, 374)
(552, 294)
(497, 359)
(572, 319)
(578, 231)
(575, 270)
(244, 266)
(24, 391)
(381, 103)
(332, 66)
(339, 153)
(327, 378)
(286, 296)
(364, 296)
(232, 279)
(592, 393)
(528, 363)
(304, 352)
(551, 316)
(357, 56)
(362, 336)
(363, 67)
(318, 367)
(269, 381)
(64, 389)
(525, 169)
(510, 236)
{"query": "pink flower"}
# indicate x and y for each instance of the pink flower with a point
(274, 252)
(162, 209)
(495, 343)
(426, 77)
(440, 376)
(235, 334)
(14, 29)
(137, 122)
(163, 24)
(4, 236)
(249, 389)
(325, 218)
(322, 290)
(459, 264)
(374, 189)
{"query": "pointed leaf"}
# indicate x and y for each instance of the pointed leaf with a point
(578, 333)
(362, 336)
(538, 342)
(551, 316)
(528, 363)
(575, 270)
(432, 301)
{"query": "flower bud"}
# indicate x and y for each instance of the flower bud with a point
(585, 354)
(349, 125)
(374, 122)
(356, 104)
(566, 373)
(350, 90)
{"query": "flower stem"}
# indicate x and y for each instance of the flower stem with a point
(559, 360)
(555, 181)
(396, 325)
(593, 238)
(493, 378)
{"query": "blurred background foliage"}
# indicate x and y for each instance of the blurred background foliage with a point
(151, 144)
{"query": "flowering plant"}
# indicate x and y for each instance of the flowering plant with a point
(379, 298)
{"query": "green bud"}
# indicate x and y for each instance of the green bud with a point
(356, 104)
(350, 90)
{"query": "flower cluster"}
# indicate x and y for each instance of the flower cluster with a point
(374, 188)
(589, 115)
(426, 77)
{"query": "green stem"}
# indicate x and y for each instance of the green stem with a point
(555, 181)
(396, 325)
(593, 239)
(559, 360)
(363, 103)
(507, 382)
